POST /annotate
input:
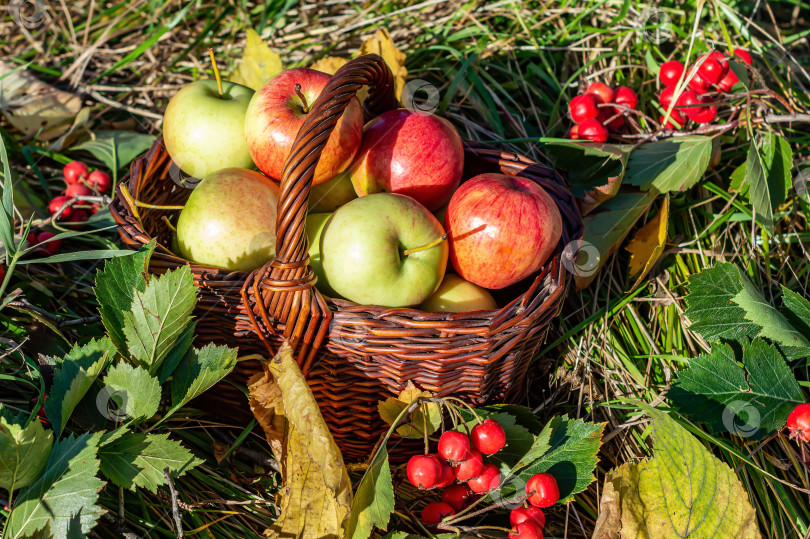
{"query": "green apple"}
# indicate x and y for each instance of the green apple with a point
(315, 225)
(329, 196)
(363, 251)
(205, 131)
(229, 220)
(455, 295)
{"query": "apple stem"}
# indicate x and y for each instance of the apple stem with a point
(216, 71)
(301, 97)
(425, 247)
(169, 224)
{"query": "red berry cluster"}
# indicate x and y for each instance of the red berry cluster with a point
(40, 241)
(79, 181)
(459, 468)
(596, 111)
(798, 422)
(695, 104)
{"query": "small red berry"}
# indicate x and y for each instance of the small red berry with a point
(488, 479)
(666, 97)
(99, 180)
(674, 116)
(457, 496)
(488, 437)
(625, 96)
(605, 115)
(542, 490)
(698, 84)
(705, 114)
(583, 107)
(527, 514)
(76, 171)
(711, 70)
(2, 273)
(454, 446)
(687, 101)
(593, 130)
(728, 82)
(601, 92)
(573, 133)
(58, 202)
(50, 248)
(433, 513)
(78, 190)
(447, 476)
(526, 530)
(798, 422)
(744, 55)
(472, 467)
(670, 72)
(424, 471)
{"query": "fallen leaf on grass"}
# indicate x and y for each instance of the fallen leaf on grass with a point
(329, 65)
(382, 44)
(258, 64)
(317, 494)
(648, 244)
(32, 106)
(426, 417)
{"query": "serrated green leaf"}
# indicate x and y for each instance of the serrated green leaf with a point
(710, 304)
(595, 171)
(758, 188)
(73, 378)
(753, 400)
(797, 310)
(23, 453)
(178, 352)
(116, 149)
(572, 457)
(768, 175)
(539, 447)
(683, 491)
(373, 500)
(138, 393)
(674, 164)
(64, 497)
(773, 323)
(200, 370)
(115, 289)
(158, 316)
(138, 460)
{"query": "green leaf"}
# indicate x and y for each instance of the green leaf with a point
(683, 491)
(767, 175)
(23, 453)
(7, 200)
(374, 499)
(595, 171)
(73, 378)
(115, 290)
(117, 149)
(178, 352)
(605, 231)
(139, 392)
(710, 304)
(425, 420)
(539, 447)
(752, 400)
(572, 457)
(758, 188)
(65, 495)
(199, 370)
(158, 317)
(138, 460)
(741, 71)
(674, 164)
(798, 310)
(773, 323)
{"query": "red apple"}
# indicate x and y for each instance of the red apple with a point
(408, 153)
(276, 113)
(501, 229)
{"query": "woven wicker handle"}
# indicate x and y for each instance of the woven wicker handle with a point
(296, 181)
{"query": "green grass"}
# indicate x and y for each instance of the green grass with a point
(505, 71)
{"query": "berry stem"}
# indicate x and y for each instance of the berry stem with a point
(426, 246)
(303, 99)
(216, 71)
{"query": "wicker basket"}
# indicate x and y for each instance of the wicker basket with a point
(354, 355)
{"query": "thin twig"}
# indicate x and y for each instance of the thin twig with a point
(175, 510)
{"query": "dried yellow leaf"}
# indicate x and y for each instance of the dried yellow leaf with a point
(648, 243)
(317, 494)
(329, 65)
(259, 63)
(382, 44)
(426, 417)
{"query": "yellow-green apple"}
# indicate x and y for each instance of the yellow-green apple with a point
(315, 225)
(278, 110)
(455, 295)
(371, 253)
(229, 220)
(205, 131)
(404, 152)
(329, 196)
(501, 229)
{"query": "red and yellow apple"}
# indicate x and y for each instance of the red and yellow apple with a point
(501, 229)
(455, 295)
(229, 220)
(411, 154)
(279, 109)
